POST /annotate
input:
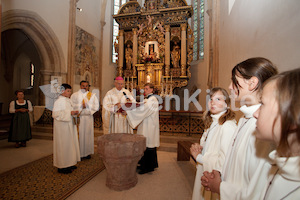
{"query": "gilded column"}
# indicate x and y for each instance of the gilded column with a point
(167, 50)
(135, 48)
(183, 49)
(121, 52)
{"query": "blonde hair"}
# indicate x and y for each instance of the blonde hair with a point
(228, 115)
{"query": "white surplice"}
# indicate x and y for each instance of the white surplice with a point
(65, 139)
(146, 117)
(86, 125)
(247, 160)
(114, 122)
(284, 181)
(215, 142)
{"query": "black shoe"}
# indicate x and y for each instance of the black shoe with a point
(72, 167)
(145, 171)
(86, 157)
(64, 170)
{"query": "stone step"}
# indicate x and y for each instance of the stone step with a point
(42, 128)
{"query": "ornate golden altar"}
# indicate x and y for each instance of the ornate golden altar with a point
(155, 43)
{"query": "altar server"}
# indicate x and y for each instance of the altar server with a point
(87, 104)
(146, 117)
(113, 121)
(247, 159)
(210, 154)
(65, 139)
(278, 121)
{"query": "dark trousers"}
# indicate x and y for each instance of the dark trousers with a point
(149, 161)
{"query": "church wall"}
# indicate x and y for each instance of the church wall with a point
(199, 69)
(268, 28)
(89, 18)
(108, 68)
(54, 12)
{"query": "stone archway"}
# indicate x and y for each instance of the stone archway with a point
(43, 38)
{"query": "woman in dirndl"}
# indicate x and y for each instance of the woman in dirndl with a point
(20, 130)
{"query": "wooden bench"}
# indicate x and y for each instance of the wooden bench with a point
(183, 150)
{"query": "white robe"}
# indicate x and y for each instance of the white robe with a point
(285, 183)
(86, 125)
(215, 142)
(65, 139)
(146, 117)
(247, 160)
(115, 122)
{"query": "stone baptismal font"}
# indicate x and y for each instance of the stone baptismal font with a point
(121, 153)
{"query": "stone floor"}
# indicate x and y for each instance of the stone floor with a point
(172, 180)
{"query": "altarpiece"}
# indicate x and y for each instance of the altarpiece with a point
(155, 44)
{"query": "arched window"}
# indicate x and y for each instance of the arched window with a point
(198, 29)
(116, 6)
(32, 70)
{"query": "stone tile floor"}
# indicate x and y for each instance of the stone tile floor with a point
(172, 180)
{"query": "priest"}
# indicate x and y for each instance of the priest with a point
(87, 104)
(114, 121)
(146, 117)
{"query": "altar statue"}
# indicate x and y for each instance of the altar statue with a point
(175, 55)
(128, 56)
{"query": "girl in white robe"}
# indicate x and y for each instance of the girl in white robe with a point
(278, 120)
(66, 152)
(214, 142)
(247, 158)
